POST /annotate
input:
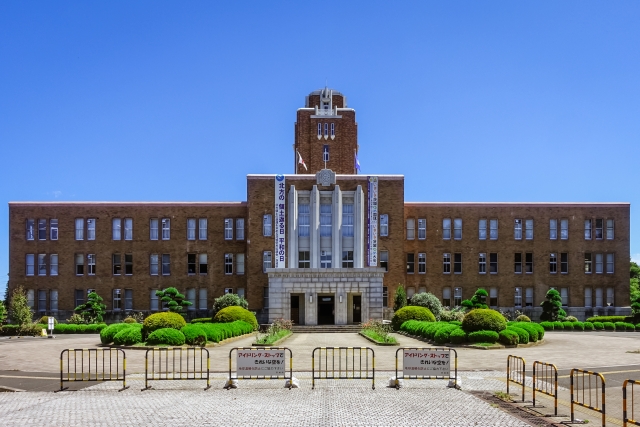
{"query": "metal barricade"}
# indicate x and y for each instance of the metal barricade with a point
(93, 364)
(548, 380)
(427, 363)
(176, 363)
(625, 412)
(516, 372)
(261, 363)
(597, 380)
(344, 370)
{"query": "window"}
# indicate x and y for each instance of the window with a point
(325, 153)
(191, 264)
(202, 299)
(333, 130)
(240, 264)
(553, 229)
(228, 229)
(91, 264)
(493, 263)
(30, 232)
(266, 224)
(446, 228)
(446, 263)
(53, 229)
(347, 259)
(53, 265)
(265, 297)
(564, 229)
(410, 263)
(117, 299)
(609, 229)
(553, 263)
(303, 220)
(422, 228)
(30, 260)
(153, 264)
(53, 300)
(325, 259)
(564, 295)
(493, 229)
(587, 229)
(31, 298)
(79, 229)
(384, 225)
(166, 229)
(411, 231)
(191, 229)
(42, 265)
(128, 299)
(202, 228)
(457, 228)
(446, 297)
(91, 229)
(482, 263)
(240, 229)
(517, 263)
(266, 261)
(128, 264)
(385, 296)
(326, 125)
(228, 263)
(517, 298)
(610, 297)
(153, 300)
(79, 297)
(610, 263)
(304, 259)
(116, 226)
(347, 220)
(517, 229)
(153, 229)
(191, 297)
(599, 300)
(587, 297)
(79, 264)
(482, 229)
(128, 229)
(528, 229)
(384, 260)
(598, 263)
(528, 262)
(457, 297)
(42, 301)
(166, 264)
(319, 130)
(116, 260)
(587, 263)
(42, 229)
(599, 224)
(228, 291)
(564, 263)
(493, 297)
(203, 263)
(422, 263)
(325, 220)
(528, 297)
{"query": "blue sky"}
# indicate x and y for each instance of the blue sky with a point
(167, 101)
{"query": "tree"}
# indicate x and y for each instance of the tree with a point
(552, 307)
(228, 300)
(173, 300)
(478, 300)
(634, 283)
(3, 313)
(400, 298)
(93, 310)
(19, 309)
(428, 300)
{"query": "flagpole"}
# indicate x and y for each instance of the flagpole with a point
(355, 170)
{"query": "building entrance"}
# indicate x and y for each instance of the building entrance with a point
(295, 309)
(326, 310)
(357, 309)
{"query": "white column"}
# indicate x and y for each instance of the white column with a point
(336, 227)
(358, 232)
(292, 241)
(314, 227)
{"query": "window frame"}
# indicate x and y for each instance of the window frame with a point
(422, 228)
(553, 229)
(152, 228)
(446, 228)
(53, 229)
(30, 229)
(517, 297)
(491, 262)
(457, 229)
(151, 264)
(128, 229)
(422, 263)
(116, 264)
(228, 229)
(517, 229)
(91, 229)
(228, 264)
(588, 263)
(564, 263)
(609, 233)
(457, 263)
(304, 259)
(411, 262)
(609, 262)
(384, 225)
(528, 229)
(601, 229)
(553, 262)
(347, 259)
(91, 264)
(117, 299)
(517, 262)
(30, 271)
(42, 229)
(239, 229)
(53, 265)
(528, 263)
(588, 229)
(267, 225)
(79, 267)
(191, 228)
(492, 235)
(384, 263)
(166, 262)
(79, 232)
(42, 264)
(203, 228)
(116, 229)
(446, 263)
(482, 263)
(166, 228)
(203, 264)
(240, 264)
(411, 228)
(482, 229)
(564, 229)
(267, 260)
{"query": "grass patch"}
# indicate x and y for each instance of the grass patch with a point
(384, 339)
(271, 338)
(503, 396)
(484, 344)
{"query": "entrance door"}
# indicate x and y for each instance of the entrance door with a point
(357, 308)
(295, 309)
(325, 310)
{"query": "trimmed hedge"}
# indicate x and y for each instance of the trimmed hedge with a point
(455, 322)
(411, 312)
(578, 326)
(609, 326)
(523, 335)
(483, 336)
(166, 336)
(232, 313)
(458, 336)
(202, 320)
(508, 337)
(603, 319)
(535, 331)
(558, 326)
(588, 326)
(523, 318)
(162, 321)
(548, 326)
(108, 333)
(217, 332)
(599, 326)
(194, 335)
(129, 336)
(442, 336)
(568, 326)
(483, 319)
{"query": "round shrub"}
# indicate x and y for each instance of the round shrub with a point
(523, 318)
(455, 322)
(508, 337)
(558, 326)
(523, 335)
(598, 326)
(45, 321)
(548, 326)
(568, 326)
(129, 320)
(638, 327)
(609, 326)
(578, 326)
(588, 326)
(483, 336)
(483, 319)
(411, 312)
(620, 326)
(458, 336)
(570, 319)
(162, 321)
(233, 313)
(229, 300)
(166, 336)
(533, 329)
(108, 333)
(194, 335)
(442, 336)
(428, 300)
(629, 327)
(129, 336)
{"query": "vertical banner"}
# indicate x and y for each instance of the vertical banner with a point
(280, 225)
(372, 222)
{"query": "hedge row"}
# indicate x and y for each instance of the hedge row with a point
(612, 319)
(590, 326)
(445, 332)
(60, 328)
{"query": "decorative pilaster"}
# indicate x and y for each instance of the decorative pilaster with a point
(358, 232)
(314, 227)
(292, 242)
(336, 227)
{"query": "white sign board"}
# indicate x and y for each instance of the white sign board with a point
(51, 323)
(372, 222)
(427, 363)
(260, 363)
(280, 223)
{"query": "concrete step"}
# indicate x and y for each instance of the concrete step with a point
(326, 329)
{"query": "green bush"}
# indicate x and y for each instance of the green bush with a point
(129, 320)
(166, 336)
(108, 333)
(508, 337)
(548, 326)
(534, 330)
(483, 336)
(442, 336)
(44, 320)
(483, 319)
(458, 336)
(588, 326)
(523, 335)
(629, 327)
(455, 322)
(558, 326)
(10, 330)
(233, 313)
(603, 319)
(523, 318)
(578, 326)
(202, 320)
(194, 335)
(129, 336)
(638, 327)
(428, 300)
(411, 312)
(609, 326)
(598, 326)
(217, 332)
(570, 319)
(163, 320)
(568, 326)
(229, 300)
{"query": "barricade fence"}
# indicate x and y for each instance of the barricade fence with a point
(516, 372)
(352, 364)
(545, 381)
(176, 363)
(625, 413)
(426, 363)
(582, 389)
(261, 363)
(93, 364)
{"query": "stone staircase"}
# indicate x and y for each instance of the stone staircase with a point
(326, 329)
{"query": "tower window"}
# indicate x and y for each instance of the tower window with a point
(326, 130)
(333, 130)
(319, 130)
(325, 152)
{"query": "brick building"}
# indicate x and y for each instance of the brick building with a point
(322, 245)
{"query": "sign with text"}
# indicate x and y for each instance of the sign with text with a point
(425, 362)
(260, 363)
(51, 323)
(372, 222)
(279, 255)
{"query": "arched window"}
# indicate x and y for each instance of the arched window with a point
(333, 130)
(319, 130)
(326, 130)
